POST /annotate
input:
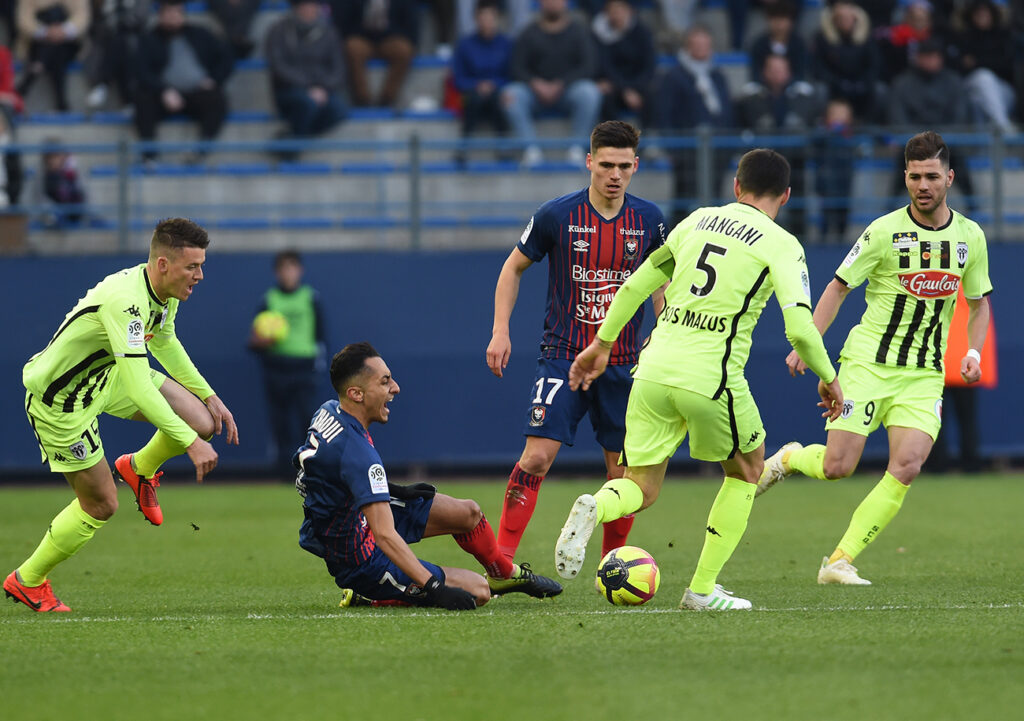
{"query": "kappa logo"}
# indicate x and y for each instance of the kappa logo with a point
(847, 408)
(78, 450)
(60, 457)
(632, 248)
(133, 311)
(753, 437)
(713, 532)
(537, 415)
(961, 254)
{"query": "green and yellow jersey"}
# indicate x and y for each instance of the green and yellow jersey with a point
(103, 343)
(913, 274)
(724, 264)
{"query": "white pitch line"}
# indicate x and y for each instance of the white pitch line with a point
(391, 614)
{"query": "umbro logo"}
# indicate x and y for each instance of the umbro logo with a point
(133, 311)
(713, 532)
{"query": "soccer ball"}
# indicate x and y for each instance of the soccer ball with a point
(270, 325)
(628, 576)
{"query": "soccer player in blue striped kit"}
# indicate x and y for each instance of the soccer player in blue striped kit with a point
(594, 239)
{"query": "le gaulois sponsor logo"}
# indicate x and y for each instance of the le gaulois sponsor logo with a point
(930, 283)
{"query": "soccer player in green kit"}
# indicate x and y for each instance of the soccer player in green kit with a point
(724, 264)
(97, 362)
(914, 260)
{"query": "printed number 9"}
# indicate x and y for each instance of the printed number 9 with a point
(869, 411)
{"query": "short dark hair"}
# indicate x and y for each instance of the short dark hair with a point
(350, 362)
(763, 172)
(926, 146)
(287, 256)
(487, 5)
(614, 134)
(178, 233)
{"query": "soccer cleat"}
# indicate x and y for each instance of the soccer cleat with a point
(717, 600)
(571, 548)
(774, 469)
(524, 580)
(38, 598)
(841, 571)
(143, 488)
(351, 598)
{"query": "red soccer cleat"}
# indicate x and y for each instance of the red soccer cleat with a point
(143, 488)
(38, 598)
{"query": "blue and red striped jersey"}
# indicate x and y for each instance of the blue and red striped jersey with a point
(589, 258)
(339, 472)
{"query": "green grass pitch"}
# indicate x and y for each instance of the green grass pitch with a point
(231, 620)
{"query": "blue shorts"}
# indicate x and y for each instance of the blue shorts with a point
(555, 411)
(378, 577)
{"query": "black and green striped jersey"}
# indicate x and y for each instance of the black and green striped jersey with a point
(913, 275)
(102, 344)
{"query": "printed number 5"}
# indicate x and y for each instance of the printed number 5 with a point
(556, 383)
(709, 271)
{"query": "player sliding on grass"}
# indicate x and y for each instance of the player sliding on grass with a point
(97, 363)
(914, 260)
(362, 526)
(724, 264)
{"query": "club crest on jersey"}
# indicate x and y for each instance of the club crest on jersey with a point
(930, 283)
(848, 408)
(537, 414)
(961, 254)
(632, 248)
(78, 450)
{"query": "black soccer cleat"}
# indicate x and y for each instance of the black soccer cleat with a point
(524, 580)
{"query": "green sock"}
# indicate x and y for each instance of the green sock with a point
(618, 498)
(68, 532)
(150, 457)
(873, 515)
(809, 460)
(726, 524)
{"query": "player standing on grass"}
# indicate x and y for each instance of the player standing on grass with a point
(914, 260)
(362, 526)
(96, 363)
(595, 239)
(724, 264)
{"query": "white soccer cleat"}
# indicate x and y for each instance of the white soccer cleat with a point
(718, 600)
(774, 470)
(841, 571)
(571, 549)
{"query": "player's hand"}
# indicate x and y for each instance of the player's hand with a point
(172, 100)
(498, 351)
(203, 457)
(831, 398)
(795, 364)
(970, 369)
(222, 419)
(588, 365)
(448, 597)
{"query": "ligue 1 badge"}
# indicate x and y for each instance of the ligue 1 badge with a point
(537, 414)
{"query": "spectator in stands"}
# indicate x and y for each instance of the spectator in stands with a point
(11, 106)
(480, 70)
(835, 151)
(386, 29)
(307, 73)
(780, 104)
(518, 14)
(63, 192)
(845, 58)
(880, 12)
(985, 58)
(49, 37)
(443, 12)
(554, 63)
(928, 94)
(626, 60)
(117, 26)
(779, 39)
(182, 69)
(8, 13)
(690, 95)
(899, 43)
(739, 11)
(235, 18)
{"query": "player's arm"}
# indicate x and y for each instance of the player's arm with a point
(979, 313)
(505, 294)
(652, 275)
(824, 313)
(171, 354)
(382, 524)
